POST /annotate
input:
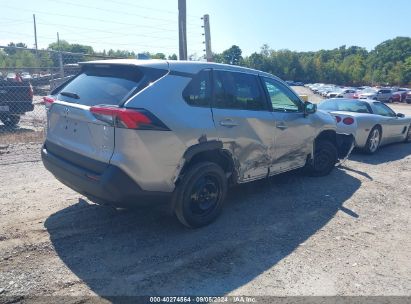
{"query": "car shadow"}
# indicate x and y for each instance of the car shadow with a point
(147, 252)
(384, 154)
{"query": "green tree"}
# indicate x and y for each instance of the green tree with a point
(232, 55)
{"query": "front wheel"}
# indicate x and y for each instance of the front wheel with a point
(373, 141)
(199, 196)
(10, 120)
(325, 158)
(408, 137)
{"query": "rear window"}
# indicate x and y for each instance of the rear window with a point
(108, 84)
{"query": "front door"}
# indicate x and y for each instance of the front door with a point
(243, 122)
(393, 127)
(294, 131)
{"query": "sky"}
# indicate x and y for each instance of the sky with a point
(140, 25)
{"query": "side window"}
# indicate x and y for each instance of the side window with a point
(382, 109)
(238, 91)
(198, 92)
(282, 99)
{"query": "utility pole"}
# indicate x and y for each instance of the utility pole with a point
(35, 32)
(60, 57)
(182, 29)
(207, 36)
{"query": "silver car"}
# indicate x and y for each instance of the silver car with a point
(372, 123)
(129, 132)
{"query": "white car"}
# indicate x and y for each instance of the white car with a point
(368, 93)
(346, 93)
(371, 122)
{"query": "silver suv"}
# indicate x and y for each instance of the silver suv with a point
(129, 132)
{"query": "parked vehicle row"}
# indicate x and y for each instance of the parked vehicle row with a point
(130, 132)
(389, 94)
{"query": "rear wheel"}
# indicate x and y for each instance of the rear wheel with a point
(325, 158)
(10, 120)
(373, 141)
(199, 196)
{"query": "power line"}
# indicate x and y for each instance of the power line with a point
(167, 47)
(104, 31)
(113, 11)
(82, 18)
(94, 19)
(151, 8)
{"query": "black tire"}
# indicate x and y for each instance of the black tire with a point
(408, 138)
(373, 141)
(10, 120)
(390, 100)
(325, 158)
(200, 194)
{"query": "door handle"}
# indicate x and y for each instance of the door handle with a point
(229, 123)
(281, 126)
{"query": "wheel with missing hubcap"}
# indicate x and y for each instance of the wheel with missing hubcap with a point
(199, 196)
(408, 138)
(325, 158)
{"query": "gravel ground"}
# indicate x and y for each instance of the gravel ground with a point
(344, 234)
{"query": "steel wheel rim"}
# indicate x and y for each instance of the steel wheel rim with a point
(322, 159)
(374, 140)
(204, 195)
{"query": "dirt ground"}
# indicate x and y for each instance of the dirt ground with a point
(344, 234)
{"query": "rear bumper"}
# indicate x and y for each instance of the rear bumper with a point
(112, 186)
(17, 107)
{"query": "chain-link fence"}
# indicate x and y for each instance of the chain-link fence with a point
(26, 76)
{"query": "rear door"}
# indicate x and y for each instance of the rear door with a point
(243, 121)
(72, 126)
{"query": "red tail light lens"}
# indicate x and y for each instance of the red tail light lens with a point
(348, 120)
(48, 100)
(31, 93)
(338, 119)
(140, 119)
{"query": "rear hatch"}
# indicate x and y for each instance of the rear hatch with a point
(72, 127)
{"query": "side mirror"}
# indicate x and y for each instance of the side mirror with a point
(400, 115)
(309, 108)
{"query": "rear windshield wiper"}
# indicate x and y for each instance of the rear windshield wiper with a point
(70, 94)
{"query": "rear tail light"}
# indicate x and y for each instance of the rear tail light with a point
(348, 120)
(139, 119)
(31, 93)
(338, 119)
(48, 101)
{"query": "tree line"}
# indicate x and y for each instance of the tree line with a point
(389, 63)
